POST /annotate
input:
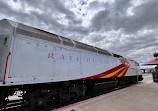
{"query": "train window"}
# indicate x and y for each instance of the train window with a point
(136, 63)
(85, 46)
(37, 33)
(5, 40)
(67, 41)
(101, 51)
(116, 55)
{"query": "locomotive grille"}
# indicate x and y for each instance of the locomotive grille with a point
(67, 41)
(36, 33)
(101, 51)
(85, 46)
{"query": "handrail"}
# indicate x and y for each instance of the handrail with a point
(6, 67)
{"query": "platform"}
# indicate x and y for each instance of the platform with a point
(142, 96)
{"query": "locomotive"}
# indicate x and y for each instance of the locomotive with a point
(49, 69)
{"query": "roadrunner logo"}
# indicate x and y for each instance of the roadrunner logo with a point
(125, 62)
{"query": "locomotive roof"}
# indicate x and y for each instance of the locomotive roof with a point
(14, 28)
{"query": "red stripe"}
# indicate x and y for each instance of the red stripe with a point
(6, 68)
(104, 73)
(124, 73)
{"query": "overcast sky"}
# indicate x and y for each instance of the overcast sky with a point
(127, 27)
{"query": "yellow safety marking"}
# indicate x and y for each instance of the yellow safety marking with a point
(111, 74)
(122, 73)
(145, 83)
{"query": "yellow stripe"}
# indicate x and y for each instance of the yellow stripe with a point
(132, 67)
(122, 73)
(111, 74)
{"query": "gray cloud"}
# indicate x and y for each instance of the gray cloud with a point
(121, 6)
(145, 16)
(95, 5)
(102, 21)
(53, 7)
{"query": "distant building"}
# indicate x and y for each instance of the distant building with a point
(148, 69)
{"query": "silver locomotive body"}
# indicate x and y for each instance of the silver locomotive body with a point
(30, 56)
(32, 60)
